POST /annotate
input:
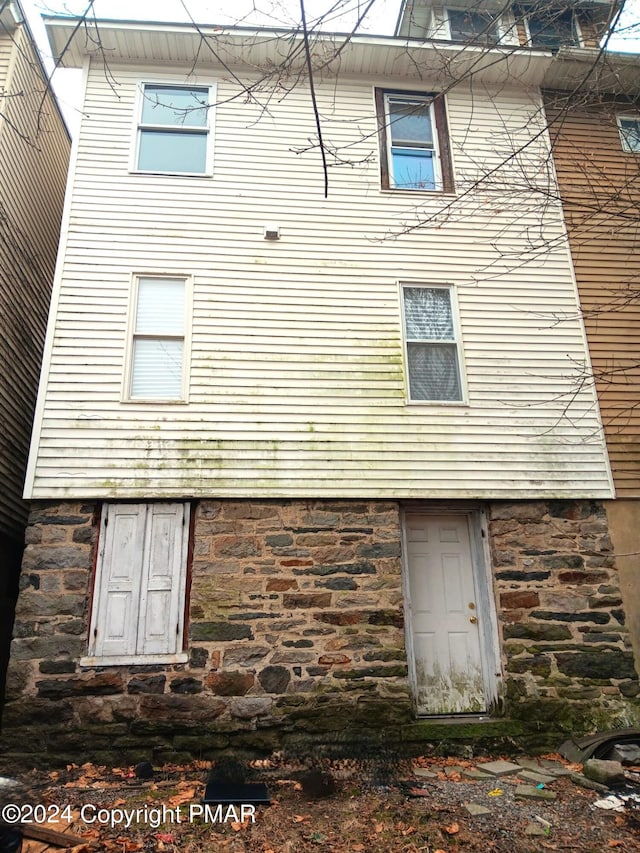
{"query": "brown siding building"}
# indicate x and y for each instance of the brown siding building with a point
(595, 132)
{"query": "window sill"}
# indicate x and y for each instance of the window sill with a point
(438, 193)
(172, 174)
(439, 403)
(148, 401)
(133, 660)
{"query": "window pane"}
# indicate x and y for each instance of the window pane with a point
(630, 130)
(552, 30)
(433, 372)
(427, 313)
(175, 106)
(410, 123)
(157, 369)
(467, 26)
(160, 309)
(413, 169)
(170, 151)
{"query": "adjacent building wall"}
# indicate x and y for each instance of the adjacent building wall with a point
(34, 153)
(600, 188)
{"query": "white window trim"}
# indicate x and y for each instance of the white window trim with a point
(179, 656)
(437, 168)
(455, 314)
(623, 137)
(131, 325)
(162, 80)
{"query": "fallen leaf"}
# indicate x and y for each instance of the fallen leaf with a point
(452, 829)
(419, 792)
(616, 843)
(497, 792)
(184, 797)
(236, 826)
(358, 848)
(378, 827)
(91, 833)
(167, 837)
(300, 818)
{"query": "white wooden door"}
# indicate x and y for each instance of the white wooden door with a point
(443, 610)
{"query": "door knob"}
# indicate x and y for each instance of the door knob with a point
(473, 620)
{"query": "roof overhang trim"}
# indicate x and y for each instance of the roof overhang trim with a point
(259, 49)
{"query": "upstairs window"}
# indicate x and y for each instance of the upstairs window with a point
(433, 356)
(173, 134)
(414, 147)
(551, 29)
(629, 129)
(158, 340)
(472, 26)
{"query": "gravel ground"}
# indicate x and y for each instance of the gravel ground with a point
(342, 806)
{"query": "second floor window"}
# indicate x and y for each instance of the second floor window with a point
(414, 147)
(552, 28)
(173, 133)
(433, 357)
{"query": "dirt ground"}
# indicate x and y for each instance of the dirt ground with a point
(339, 808)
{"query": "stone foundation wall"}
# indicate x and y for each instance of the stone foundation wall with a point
(296, 628)
(565, 644)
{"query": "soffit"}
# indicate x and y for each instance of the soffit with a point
(593, 71)
(379, 56)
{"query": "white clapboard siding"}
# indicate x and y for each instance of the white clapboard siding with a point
(296, 379)
(34, 150)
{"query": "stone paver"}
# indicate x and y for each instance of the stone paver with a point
(528, 763)
(451, 771)
(423, 773)
(476, 809)
(500, 768)
(530, 792)
(536, 778)
(474, 773)
(554, 767)
(579, 779)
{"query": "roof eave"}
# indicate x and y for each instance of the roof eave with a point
(388, 56)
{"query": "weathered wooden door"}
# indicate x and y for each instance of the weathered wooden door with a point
(443, 606)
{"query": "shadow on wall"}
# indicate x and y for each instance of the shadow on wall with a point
(10, 560)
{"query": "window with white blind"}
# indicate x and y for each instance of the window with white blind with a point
(432, 347)
(173, 132)
(157, 368)
(140, 584)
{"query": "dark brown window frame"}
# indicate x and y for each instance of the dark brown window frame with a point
(442, 133)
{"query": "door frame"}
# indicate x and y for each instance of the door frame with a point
(485, 600)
